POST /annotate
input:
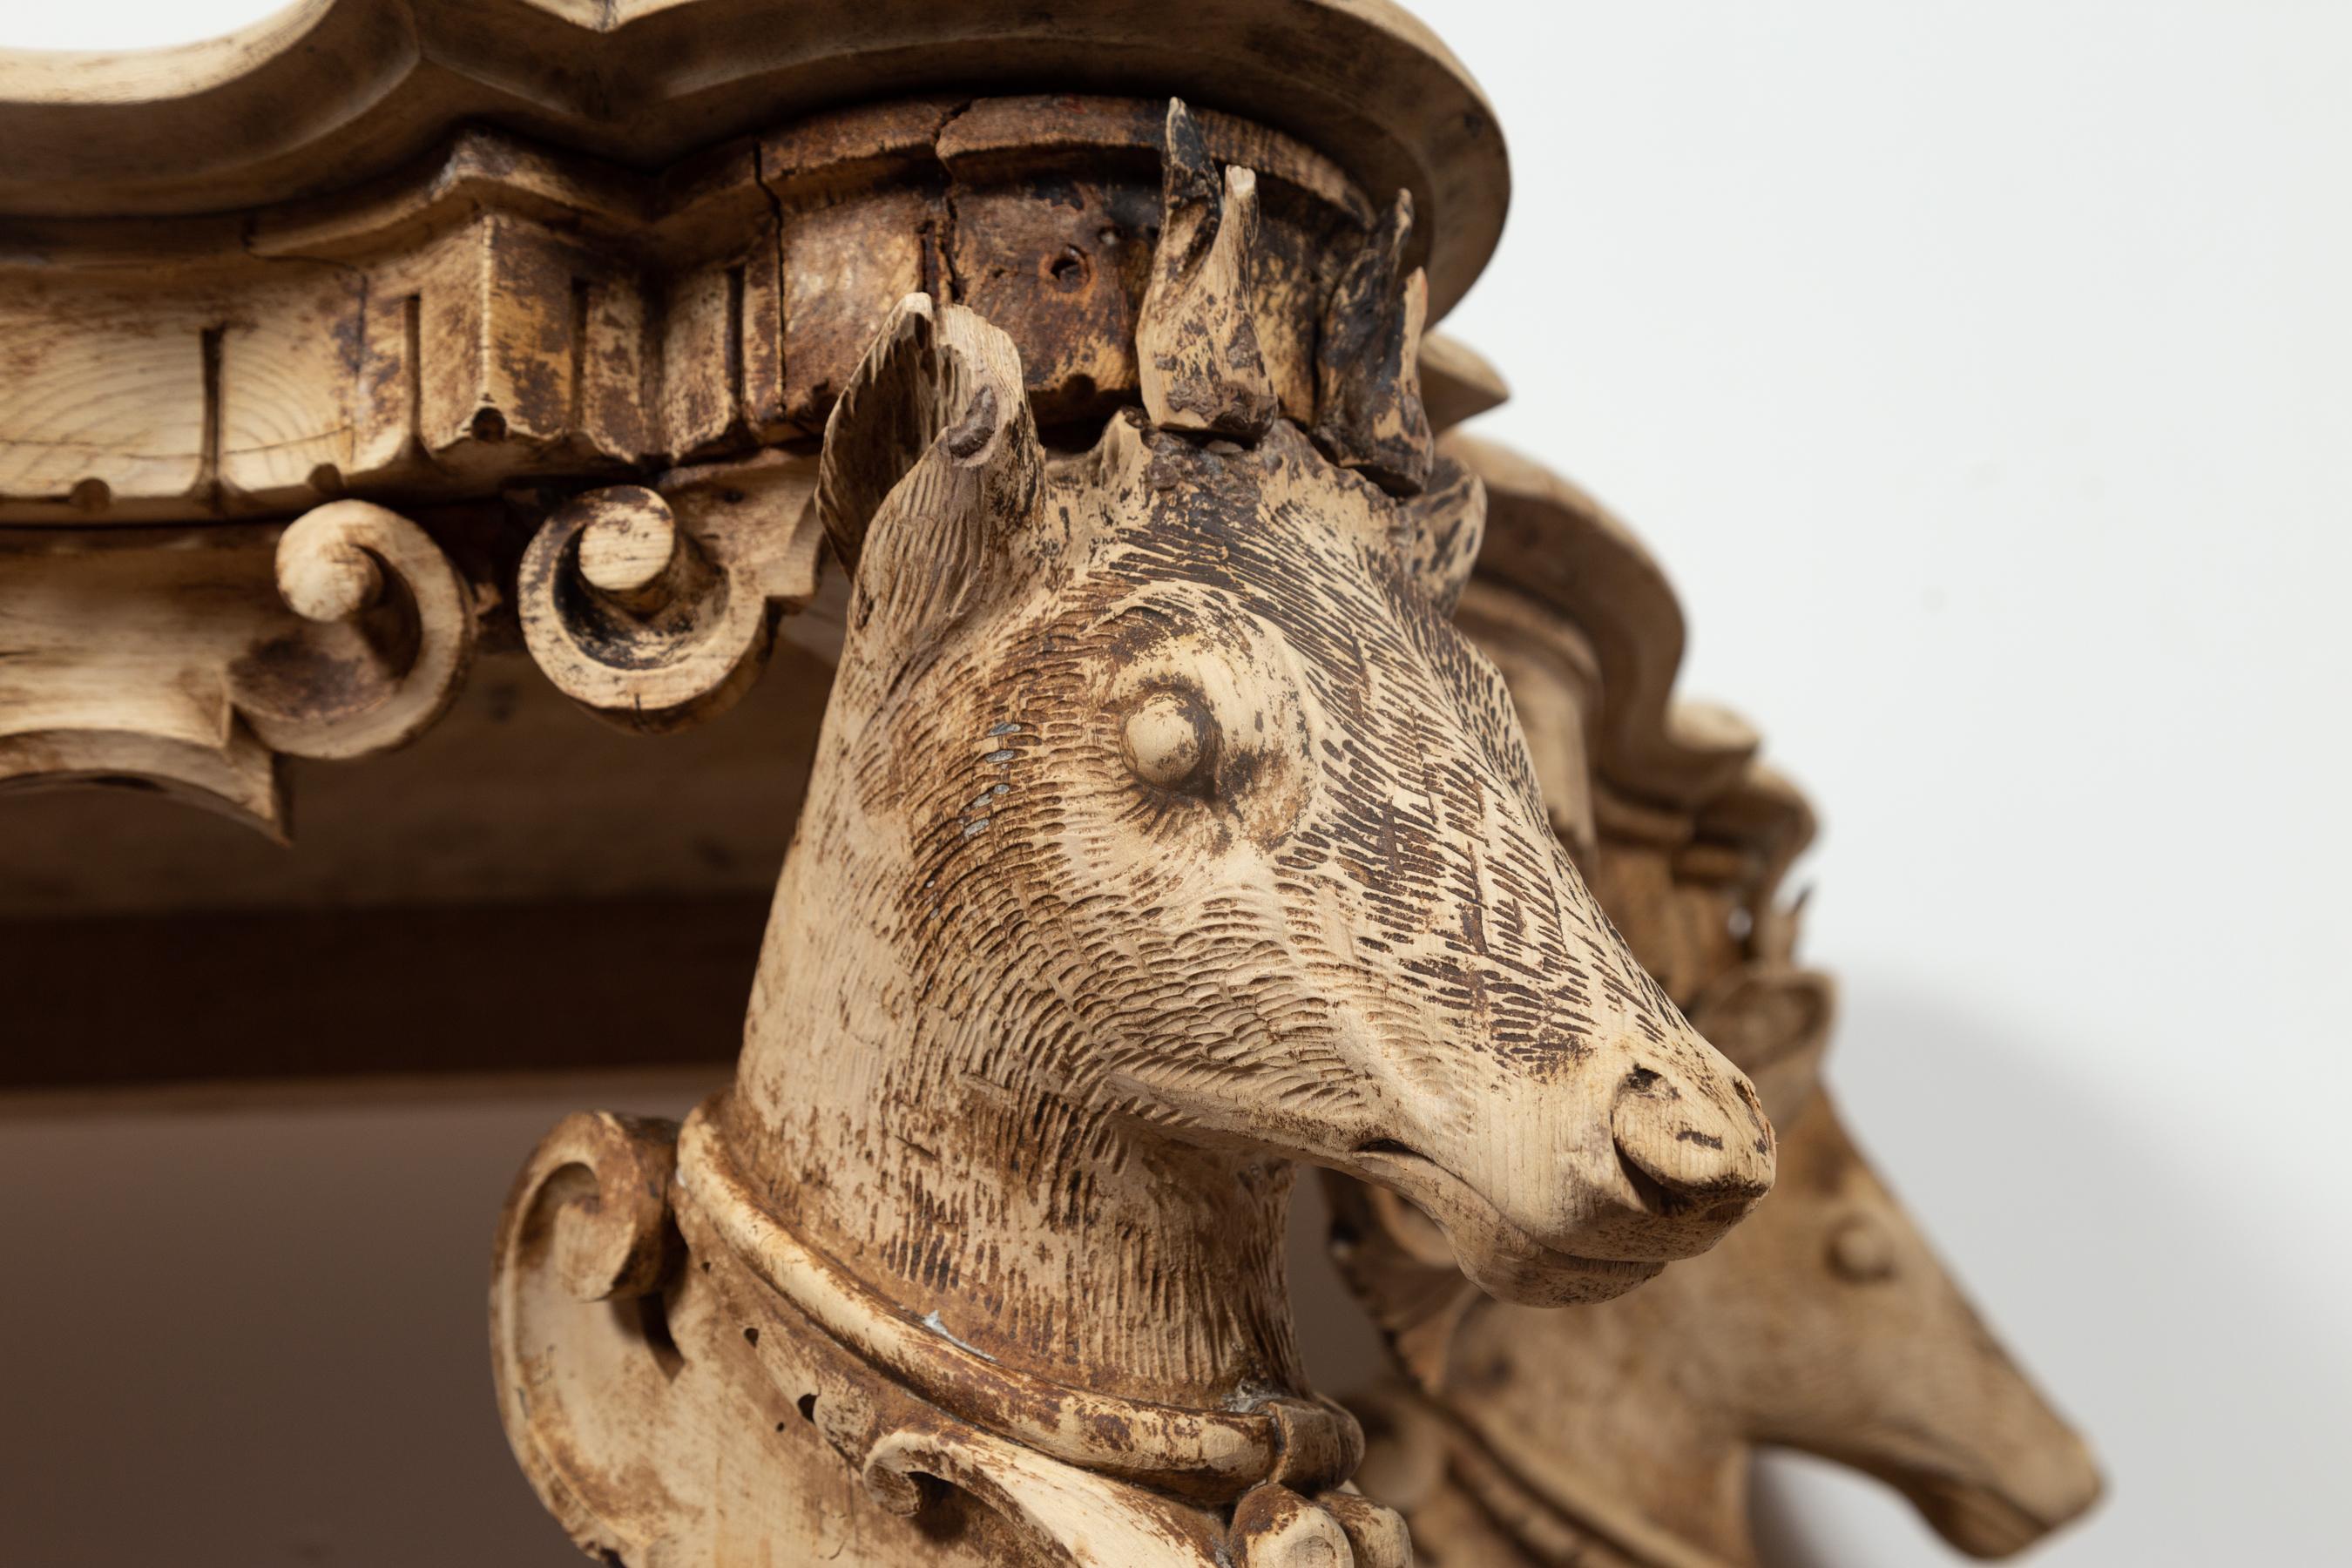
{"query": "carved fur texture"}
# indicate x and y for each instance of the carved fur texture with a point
(1163, 833)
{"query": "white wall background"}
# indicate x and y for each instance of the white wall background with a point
(1983, 374)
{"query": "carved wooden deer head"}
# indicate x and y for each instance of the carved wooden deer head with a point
(1157, 790)
(1880, 1360)
(1162, 833)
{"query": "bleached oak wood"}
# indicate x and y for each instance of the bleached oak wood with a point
(1084, 704)
(1624, 1433)
(193, 664)
(329, 91)
(1163, 833)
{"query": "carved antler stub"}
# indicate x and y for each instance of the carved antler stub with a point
(1369, 415)
(1195, 342)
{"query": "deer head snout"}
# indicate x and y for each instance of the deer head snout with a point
(1696, 1158)
(2057, 1483)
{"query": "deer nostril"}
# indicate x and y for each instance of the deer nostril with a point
(1682, 1154)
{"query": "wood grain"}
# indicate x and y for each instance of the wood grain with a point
(1078, 696)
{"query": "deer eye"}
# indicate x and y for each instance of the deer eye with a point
(1862, 1251)
(1172, 741)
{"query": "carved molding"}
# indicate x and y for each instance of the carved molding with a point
(327, 90)
(512, 334)
(1457, 382)
(1566, 557)
(506, 311)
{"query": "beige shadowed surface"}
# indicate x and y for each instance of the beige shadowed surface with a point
(1158, 823)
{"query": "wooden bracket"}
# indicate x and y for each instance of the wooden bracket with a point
(194, 665)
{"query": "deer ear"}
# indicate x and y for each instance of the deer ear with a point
(930, 463)
(1440, 530)
(1773, 1021)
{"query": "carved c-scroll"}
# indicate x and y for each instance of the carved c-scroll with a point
(654, 608)
(390, 632)
(587, 1222)
(192, 663)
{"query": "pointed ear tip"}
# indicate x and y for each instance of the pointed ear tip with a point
(917, 306)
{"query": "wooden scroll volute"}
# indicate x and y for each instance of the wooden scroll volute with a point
(191, 663)
(391, 630)
(653, 608)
